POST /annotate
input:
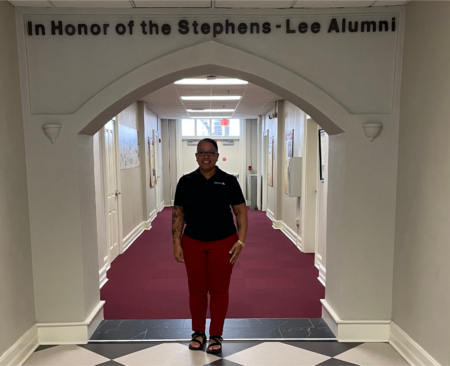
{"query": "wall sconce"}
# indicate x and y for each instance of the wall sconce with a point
(52, 131)
(372, 129)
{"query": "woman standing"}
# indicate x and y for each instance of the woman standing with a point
(210, 244)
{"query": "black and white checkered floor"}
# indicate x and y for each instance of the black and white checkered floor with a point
(235, 353)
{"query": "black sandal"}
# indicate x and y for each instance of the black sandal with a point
(194, 336)
(217, 341)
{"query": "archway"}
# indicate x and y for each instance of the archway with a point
(161, 72)
(350, 287)
(211, 58)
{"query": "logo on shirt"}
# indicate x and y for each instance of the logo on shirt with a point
(222, 183)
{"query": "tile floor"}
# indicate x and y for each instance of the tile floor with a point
(180, 329)
(235, 353)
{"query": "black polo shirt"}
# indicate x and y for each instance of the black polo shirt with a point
(206, 204)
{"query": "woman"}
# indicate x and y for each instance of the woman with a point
(209, 245)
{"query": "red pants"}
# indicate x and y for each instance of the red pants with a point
(208, 269)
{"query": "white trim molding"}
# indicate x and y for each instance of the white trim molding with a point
(102, 275)
(71, 333)
(355, 330)
(270, 215)
(291, 234)
(161, 206)
(409, 349)
(19, 352)
(152, 215)
(135, 233)
(322, 274)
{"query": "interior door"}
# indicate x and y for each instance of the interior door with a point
(112, 191)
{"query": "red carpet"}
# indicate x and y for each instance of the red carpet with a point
(271, 279)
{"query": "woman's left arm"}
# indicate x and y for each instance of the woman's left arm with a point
(242, 220)
(242, 225)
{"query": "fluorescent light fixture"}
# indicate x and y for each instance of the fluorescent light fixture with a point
(210, 117)
(225, 97)
(211, 82)
(209, 110)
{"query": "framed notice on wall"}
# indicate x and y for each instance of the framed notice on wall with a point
(128, 148)
(152, 160)
(270, 161)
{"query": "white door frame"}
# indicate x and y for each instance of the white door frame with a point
(119, 187)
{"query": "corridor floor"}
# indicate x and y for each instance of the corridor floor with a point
(271, 279)
(244, 353)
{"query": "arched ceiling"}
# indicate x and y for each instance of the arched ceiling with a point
(218, 4)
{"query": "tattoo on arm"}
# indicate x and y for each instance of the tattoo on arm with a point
(239, 226)
(177, 222)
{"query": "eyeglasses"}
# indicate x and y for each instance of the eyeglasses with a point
(207, 153)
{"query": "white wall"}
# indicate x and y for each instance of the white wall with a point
(421, 301)
(270, 127)
(291, 118)
(251, 145)
(285, 208)
(169, 156)
(131, 184)
(17, 313)
(152, 122)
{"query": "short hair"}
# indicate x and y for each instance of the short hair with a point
(211, 141)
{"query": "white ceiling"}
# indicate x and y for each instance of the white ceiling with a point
(166, 102)
(264, 4)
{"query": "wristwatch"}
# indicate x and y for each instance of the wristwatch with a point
(242, 243)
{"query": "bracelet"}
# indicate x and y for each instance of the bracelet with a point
(242, 243)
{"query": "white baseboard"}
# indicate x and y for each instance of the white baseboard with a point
(161, 206)
(19, 352)
(71, 333)
(410, 350)
(355, 330)
(131, 237)
(291, 234)
(270, 215)
(152, 215)
(322, 274)
(102, 275)
(147, 225)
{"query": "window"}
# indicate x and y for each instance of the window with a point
(204, 127)
(188, 127)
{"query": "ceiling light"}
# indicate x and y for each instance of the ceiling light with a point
(225, 97)
(211, 82)
(210, 110)
(210, 117)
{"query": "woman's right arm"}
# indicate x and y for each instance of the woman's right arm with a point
(177, 231)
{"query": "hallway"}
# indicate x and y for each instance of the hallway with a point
(271, 279)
